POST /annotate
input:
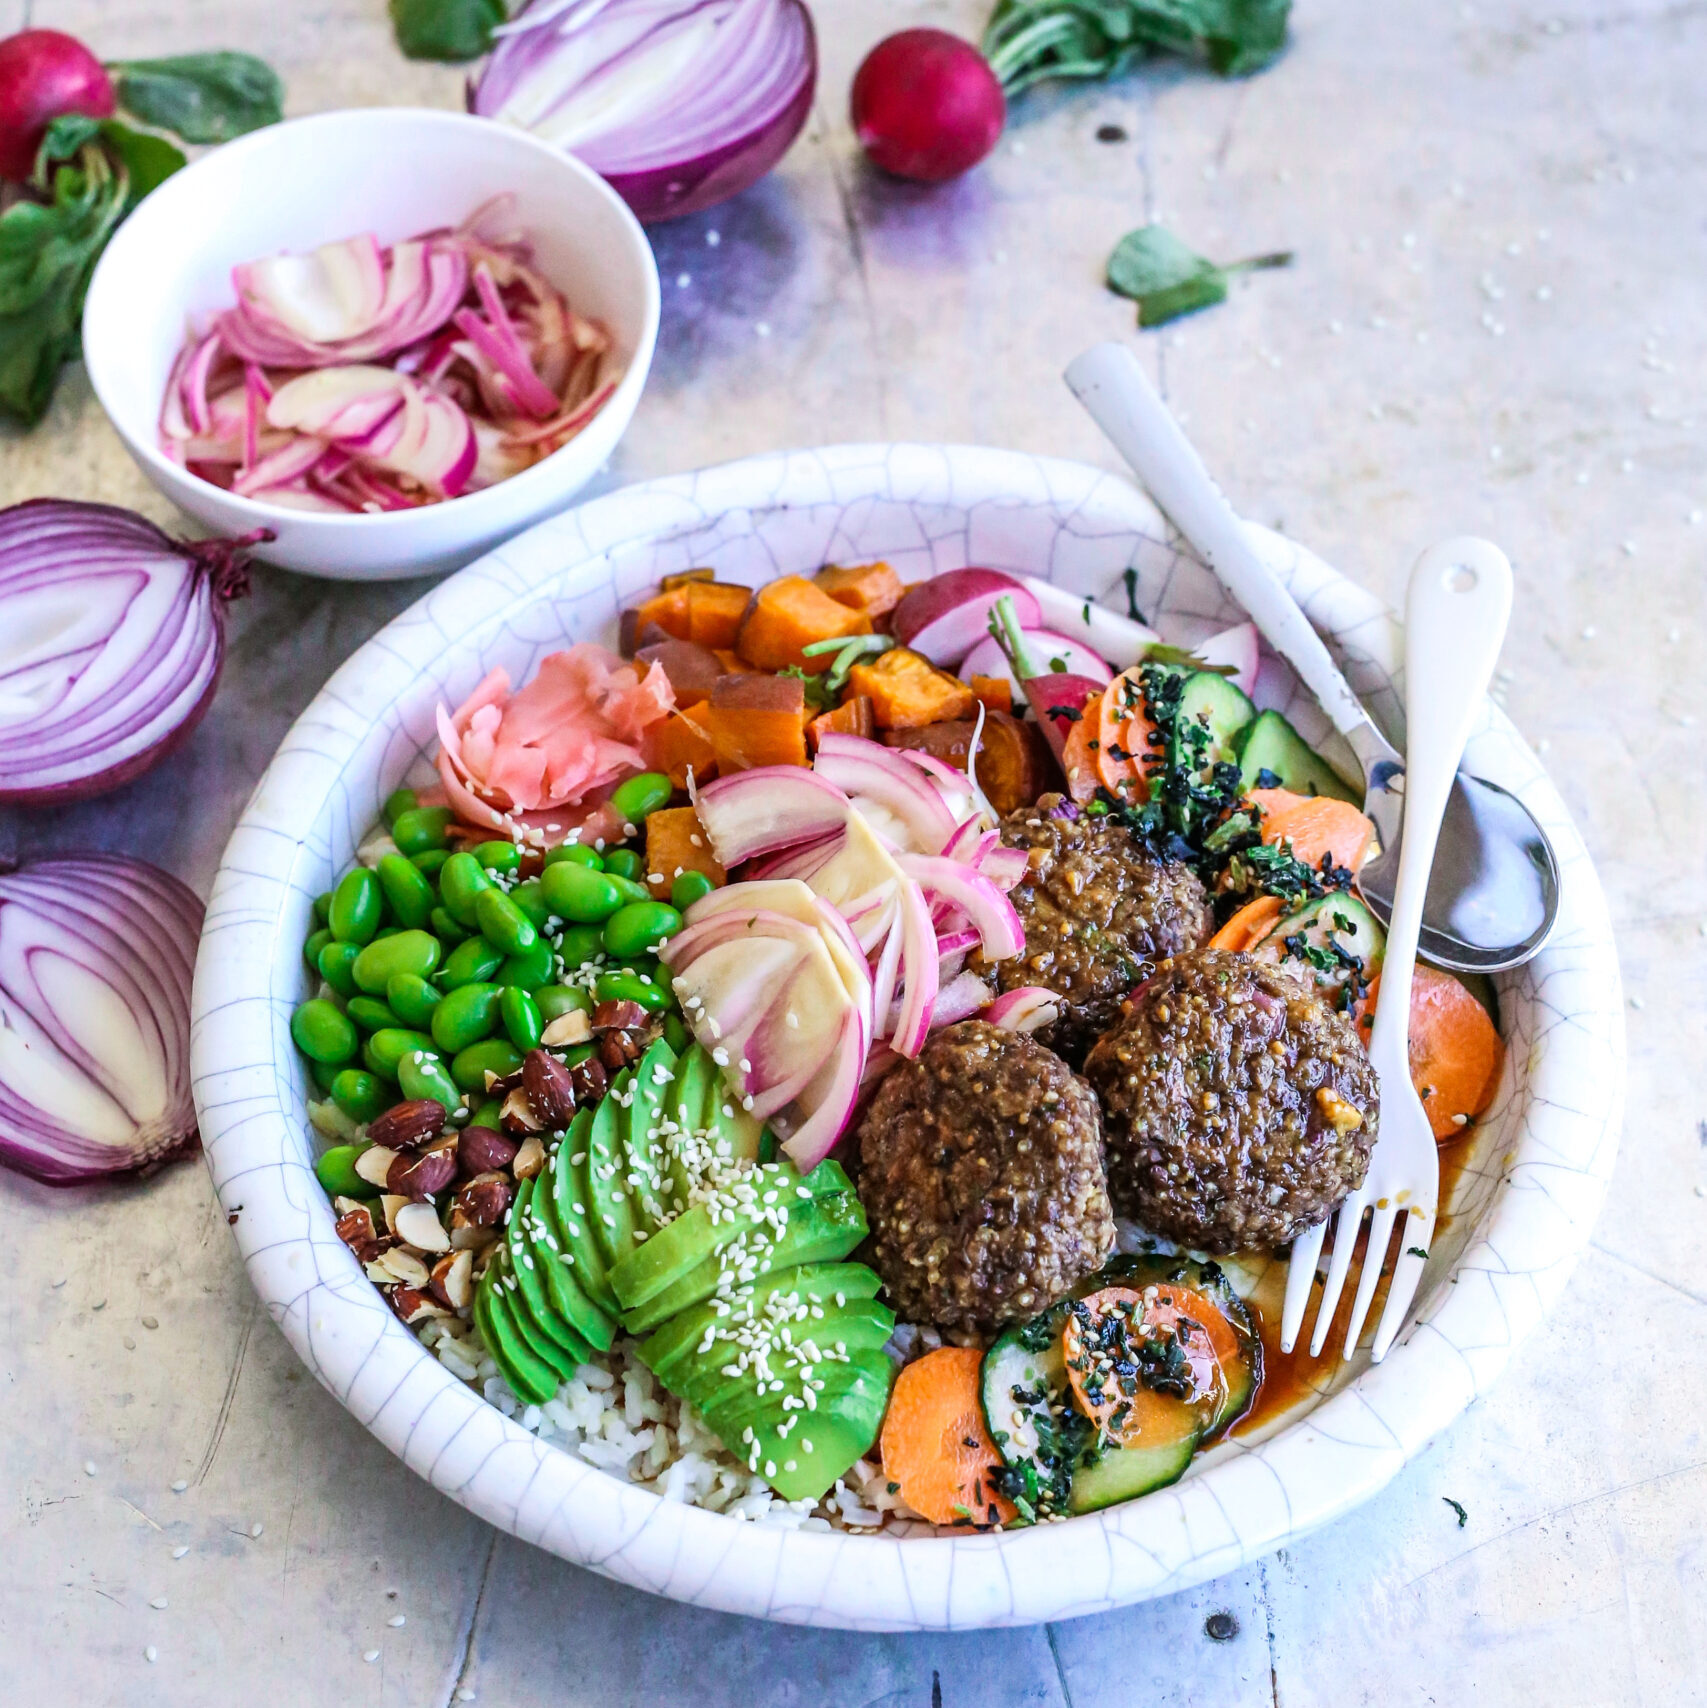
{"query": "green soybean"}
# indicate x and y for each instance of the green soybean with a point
(467, 1014)
(530, 969)
(322, 1032)
(461, 879)
(361, 1095)
(576, 1054)
(411, 998)
(414, 952)
(358, 906)
(370, 1013)
(423, 1075)
(384, 1050)
(470, 962)
(335, 1169)
(520, 1015)
(421, 828)
(688, 888)
(529, 896)
(407, 892)
(576, 855)
(636, 797)
(430, 864)
(337, 961)
(317, 940)
(495, 856)
(398, 802)
(579, 893)
(323, 906)
(470, 1066)
(630, 889)
(580, 944)
(676, 1034)
(325, 1073)
(555, 1000)
(491, 1112)
(640, 927)
(623, 863)
(502, 923)
(620, 985)
(445, 928)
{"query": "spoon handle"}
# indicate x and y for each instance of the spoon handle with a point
(1455, 619)
(1108, 380)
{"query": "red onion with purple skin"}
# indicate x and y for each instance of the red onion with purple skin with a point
(111, 639)
(96, 953)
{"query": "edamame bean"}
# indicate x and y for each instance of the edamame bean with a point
(407, 892)
(430, 864)
(461, 879)
(529, 896)
(422, 1075)
(581, 944)
(322, 1032)
(445, 928)
(421, 828)
(630, 889)
(317, 940)
(640, 927)
(623, 863)
(496, 856)
(530, 969)
(335, 1169)
(688, 888)
(636, 797)
(579, 893)
(358, 907)
(491, 1112)
(576, 1054)
(370, 1013)
(466, 1015)
(502, 923)
(360, 1095)
(398, 802)
(384, 1050)
(324, 1074)
(555, 1000)
(676, 1034)
(323, 906)
(520, 1015)
(576, 855)
(411, 999)
(337, 961)
(469, 1069)
(620, 985)
(470, 962)
(414, 952)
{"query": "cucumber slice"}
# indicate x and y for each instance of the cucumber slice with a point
(549, 1250)
(607, 1171)
(572, 1200)
(1211, 716)
(649, 1092)
(1124, 1473)
(1328, 940)
(1273, 746)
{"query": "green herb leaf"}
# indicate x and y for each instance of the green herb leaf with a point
(1457, 1507)
(202, 97)
(820, 697)
(1167, 279)
(453, 30)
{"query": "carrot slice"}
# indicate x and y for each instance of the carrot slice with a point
(1455, 1052)
(1079, 755)
(1107, 1331)
(1123, 739)
(1248, 924)
(935, 1445)
(1315, 825)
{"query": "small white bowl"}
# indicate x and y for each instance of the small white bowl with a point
(394, 171)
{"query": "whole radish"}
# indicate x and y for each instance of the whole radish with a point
(927, 106)
(44, 74)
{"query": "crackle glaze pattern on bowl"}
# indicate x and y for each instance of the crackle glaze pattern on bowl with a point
(1522, 1209)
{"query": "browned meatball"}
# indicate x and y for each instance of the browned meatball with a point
(981, 1174)
(1099, 912)
(1238, 1107)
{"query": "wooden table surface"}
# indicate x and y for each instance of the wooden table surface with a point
(1494, 325)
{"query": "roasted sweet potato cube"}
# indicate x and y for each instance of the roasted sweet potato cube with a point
(788, 615)
(873, 588)
(675, 843)
(907, 691)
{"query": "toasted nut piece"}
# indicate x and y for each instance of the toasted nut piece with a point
(517, 1114)
(409, 1123)
(589, 1080)
(421, 1176)
(530, 1159)
(355, 1228)
(499, 1084)
(418, 1225)
(617, 1016)
(453, 1280)
(465, 1236)
(549, 1089)
(374, 1164)
(479, 1150)
(485, 1199)
(414, 1306)
(618, 1049)
(391, 1203)
(566, 1029)
(400, 1265)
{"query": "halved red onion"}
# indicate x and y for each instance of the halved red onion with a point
(96, 953)
(111, 640)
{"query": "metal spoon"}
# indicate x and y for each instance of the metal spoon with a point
(1494, 890)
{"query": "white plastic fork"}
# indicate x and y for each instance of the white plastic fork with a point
(1455, 618)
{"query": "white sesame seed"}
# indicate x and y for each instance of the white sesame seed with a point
(151, 1654)
(179, 1486)
(256, 1528)
(89, 1468)
(158, 1603)
(180, 1551)
(397, 1621)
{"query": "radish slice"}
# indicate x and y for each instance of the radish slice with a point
(1028, 1009)
(945, 617)
(1048, 648)
(1237, 647)
(1120, 640)
(767, 809)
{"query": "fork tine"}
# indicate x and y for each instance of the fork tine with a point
(1346, 1224)
(1417, 1233)
(1381, 1220)
(1300, 1277)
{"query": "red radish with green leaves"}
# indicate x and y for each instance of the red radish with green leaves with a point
(927, 106)
(1056, 697)
(948, 615)
(45, 74)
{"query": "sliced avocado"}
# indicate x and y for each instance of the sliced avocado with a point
(823, 1230)
(523, 1286)
(530, 1376)
(649, 1094)
(696, 1078)
(734, 1131)
(572, 1199)
(607, 1176)
(1271, 745)
(858, 1328)
(532, 1237)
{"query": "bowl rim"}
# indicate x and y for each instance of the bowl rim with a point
(1243, 1505)
(533, 480)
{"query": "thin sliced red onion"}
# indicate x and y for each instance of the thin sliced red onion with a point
(96, 953)
(678, 104)
(963, 996)
(111, 639)
(1028, 1009)
(990, 912)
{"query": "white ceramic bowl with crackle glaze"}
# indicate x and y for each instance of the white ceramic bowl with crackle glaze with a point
(1522, 1210)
